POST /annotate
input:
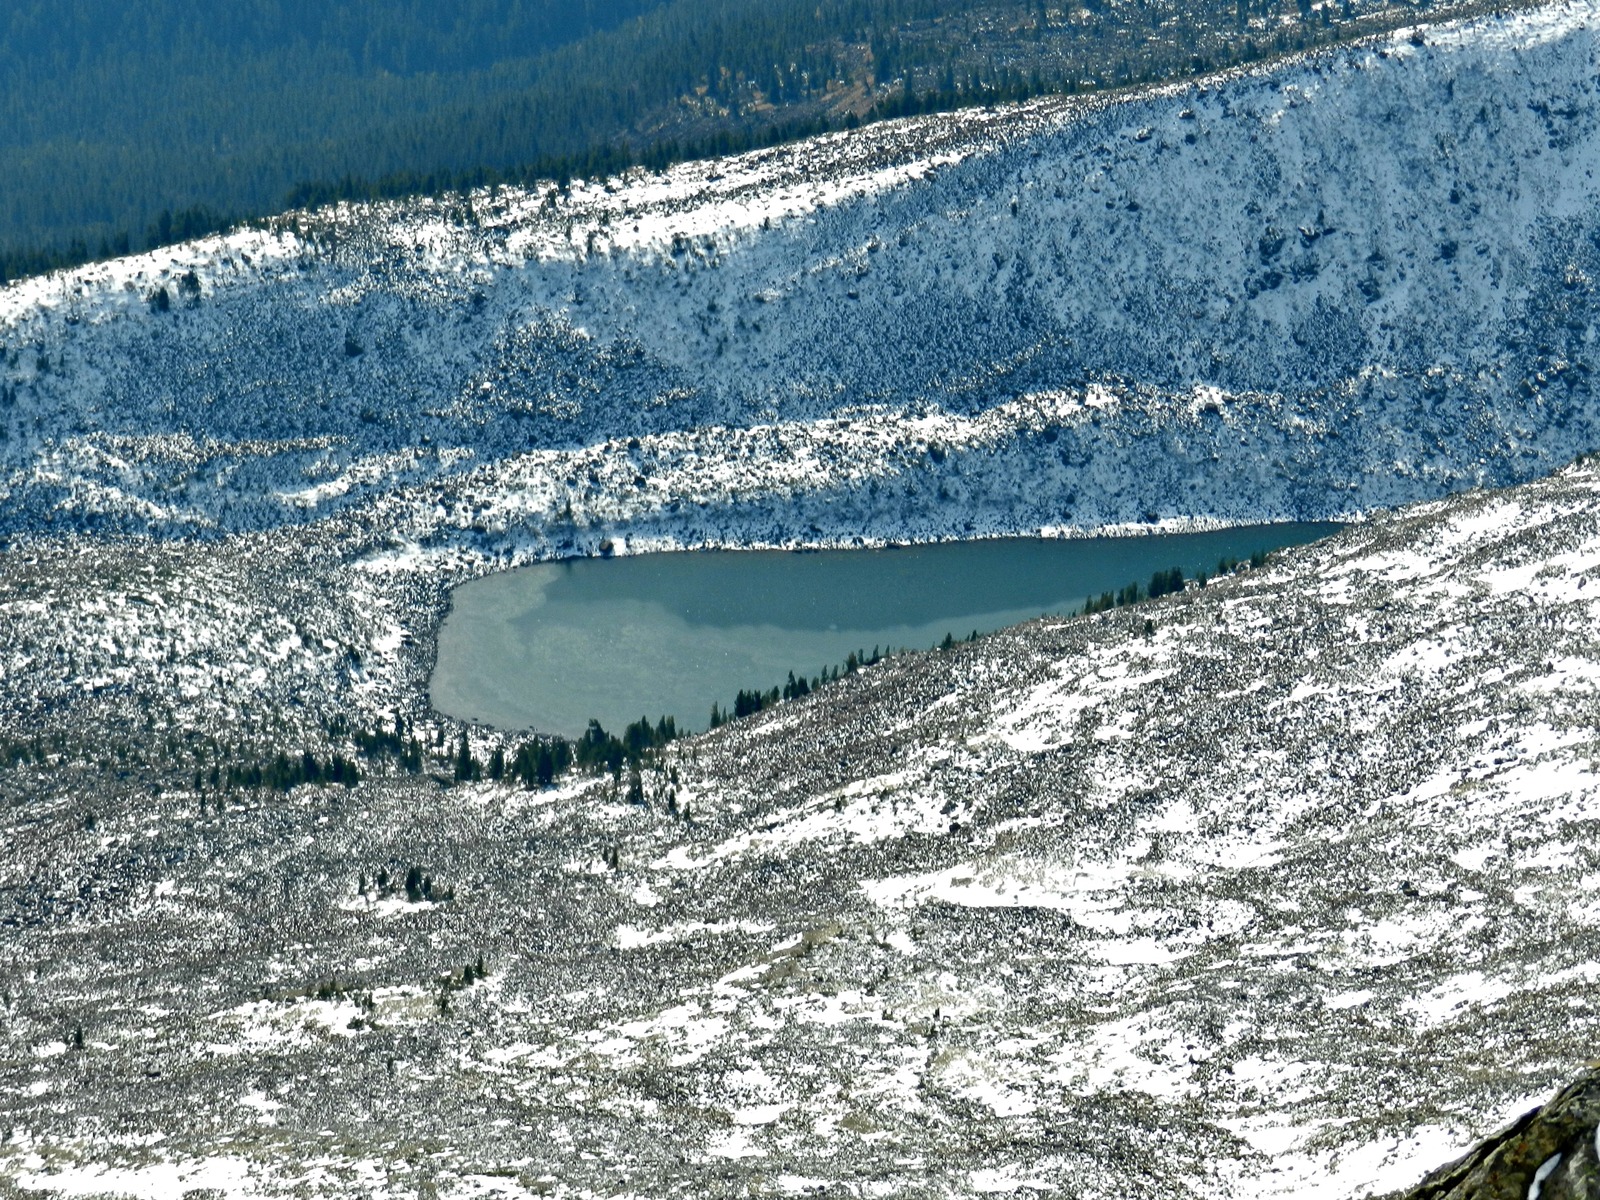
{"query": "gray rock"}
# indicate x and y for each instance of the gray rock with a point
(1550, 1153)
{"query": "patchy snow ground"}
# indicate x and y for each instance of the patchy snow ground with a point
(1292, 896)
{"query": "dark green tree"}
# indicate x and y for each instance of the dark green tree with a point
(466, 767)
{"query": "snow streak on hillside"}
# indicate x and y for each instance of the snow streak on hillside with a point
(1351, 280)
(1289, 894)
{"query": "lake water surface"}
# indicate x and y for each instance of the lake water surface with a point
(550, 646)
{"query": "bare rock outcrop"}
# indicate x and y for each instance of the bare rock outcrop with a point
(1550, 1153)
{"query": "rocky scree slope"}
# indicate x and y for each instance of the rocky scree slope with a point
(1349, 280)
(258, 640)
(1289, 893)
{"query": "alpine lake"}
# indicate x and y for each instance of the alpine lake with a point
(548, 647)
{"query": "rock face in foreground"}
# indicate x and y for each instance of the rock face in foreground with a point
(1551, 1153)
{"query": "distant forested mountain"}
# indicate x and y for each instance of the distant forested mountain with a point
(114, 112)
(130, 123)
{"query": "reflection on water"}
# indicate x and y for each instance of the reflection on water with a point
(548, 647)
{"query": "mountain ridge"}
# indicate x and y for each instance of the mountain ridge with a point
(1083, 379)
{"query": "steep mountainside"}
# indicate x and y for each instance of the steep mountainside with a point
(1289, 893)
(1281, 886)
(1352, 280)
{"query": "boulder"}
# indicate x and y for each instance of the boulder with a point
(1550, 1153)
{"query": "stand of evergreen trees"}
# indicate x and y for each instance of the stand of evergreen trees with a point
(400, 744)
(153, 121)
(1163, 583)
(280, 773)
(537, 763)
(748, 702)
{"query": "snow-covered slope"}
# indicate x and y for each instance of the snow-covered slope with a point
(1288, 892)
(1350, 280)
(1292, 893)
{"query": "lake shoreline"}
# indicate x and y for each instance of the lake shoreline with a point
(624, 635)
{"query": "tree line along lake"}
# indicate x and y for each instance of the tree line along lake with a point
(548, 647)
